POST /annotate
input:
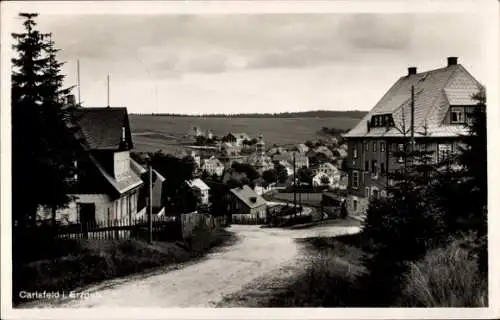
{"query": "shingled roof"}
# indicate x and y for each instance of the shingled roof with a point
(249, 197)
(435, 91)
(102, 127)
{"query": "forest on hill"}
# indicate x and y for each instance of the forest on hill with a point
(356, 114)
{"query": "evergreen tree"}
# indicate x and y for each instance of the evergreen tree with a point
(270, 176)
(43, 149)
(403, 226)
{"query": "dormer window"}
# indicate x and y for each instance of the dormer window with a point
(457, 115)
(382, 120)
(123, 133)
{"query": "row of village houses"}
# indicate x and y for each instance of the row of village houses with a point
(108, 183)
(109, 180)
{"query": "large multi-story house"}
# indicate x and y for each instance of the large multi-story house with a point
(442, 98)
(105, 187)
(213, 166)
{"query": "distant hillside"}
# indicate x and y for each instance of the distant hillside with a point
(355, 114)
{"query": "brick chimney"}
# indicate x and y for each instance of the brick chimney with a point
(412, 70)
(452, 61)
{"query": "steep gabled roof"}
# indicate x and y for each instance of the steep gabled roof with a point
(197, 183)
(247, 196)
(122, 185)
(434, 92)
(101, 128)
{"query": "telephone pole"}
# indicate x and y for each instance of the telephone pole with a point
(150, 213)
(108, 90)
(78, 80)
(294, 186)
(412, 120)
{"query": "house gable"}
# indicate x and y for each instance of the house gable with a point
(434, 91)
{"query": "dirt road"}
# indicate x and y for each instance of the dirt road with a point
(259, 253)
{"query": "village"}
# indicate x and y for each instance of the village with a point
(364, 216)
(243, 165)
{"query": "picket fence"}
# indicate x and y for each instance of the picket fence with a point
(164, 228)
(247, 220)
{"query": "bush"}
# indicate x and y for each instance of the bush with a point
(445, 277)
(330, 278)
(97, 260)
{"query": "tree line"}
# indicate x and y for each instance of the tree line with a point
(355, 114)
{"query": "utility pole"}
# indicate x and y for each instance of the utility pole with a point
(108, 90)
(294, 186)
(150, 209)
(412, 120)
(78, 80)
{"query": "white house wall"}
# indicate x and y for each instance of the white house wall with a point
(121, 164)
(118, 209)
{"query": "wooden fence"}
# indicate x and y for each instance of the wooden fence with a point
(163, 228)
(247, 220)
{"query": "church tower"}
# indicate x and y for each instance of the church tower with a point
(261, 146)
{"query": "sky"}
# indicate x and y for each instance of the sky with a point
(246, 63)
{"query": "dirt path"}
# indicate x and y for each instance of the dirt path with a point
(259, 254)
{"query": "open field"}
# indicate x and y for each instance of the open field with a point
(161, 132)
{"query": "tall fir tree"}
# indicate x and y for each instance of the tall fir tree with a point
(43, 144)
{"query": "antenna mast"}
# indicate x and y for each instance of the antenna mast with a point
(78, 80)
(108, 89)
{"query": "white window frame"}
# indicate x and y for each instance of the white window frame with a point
(382, 147)
(367, 192)
(355, 152)
(355, 185)
(459, 115)
(401, 148)
(444, 151)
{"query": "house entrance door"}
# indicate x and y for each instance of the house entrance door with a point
(87, 217)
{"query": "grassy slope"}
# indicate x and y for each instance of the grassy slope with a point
(168, 131)
(445, 277)
(91, 261)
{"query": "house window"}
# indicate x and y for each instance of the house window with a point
(367, 164)
(375, 193)
(367, 147)
(382, 168)
(457, 116)
(444, 151)
(469, 115)
(367, 192)
(355, 152)
(401, 148)
(355, 179)
(355, 205)
(374, 167)
(383, 193)
(374, 147)
(382, 147)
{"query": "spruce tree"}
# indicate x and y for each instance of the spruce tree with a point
(43, 148)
